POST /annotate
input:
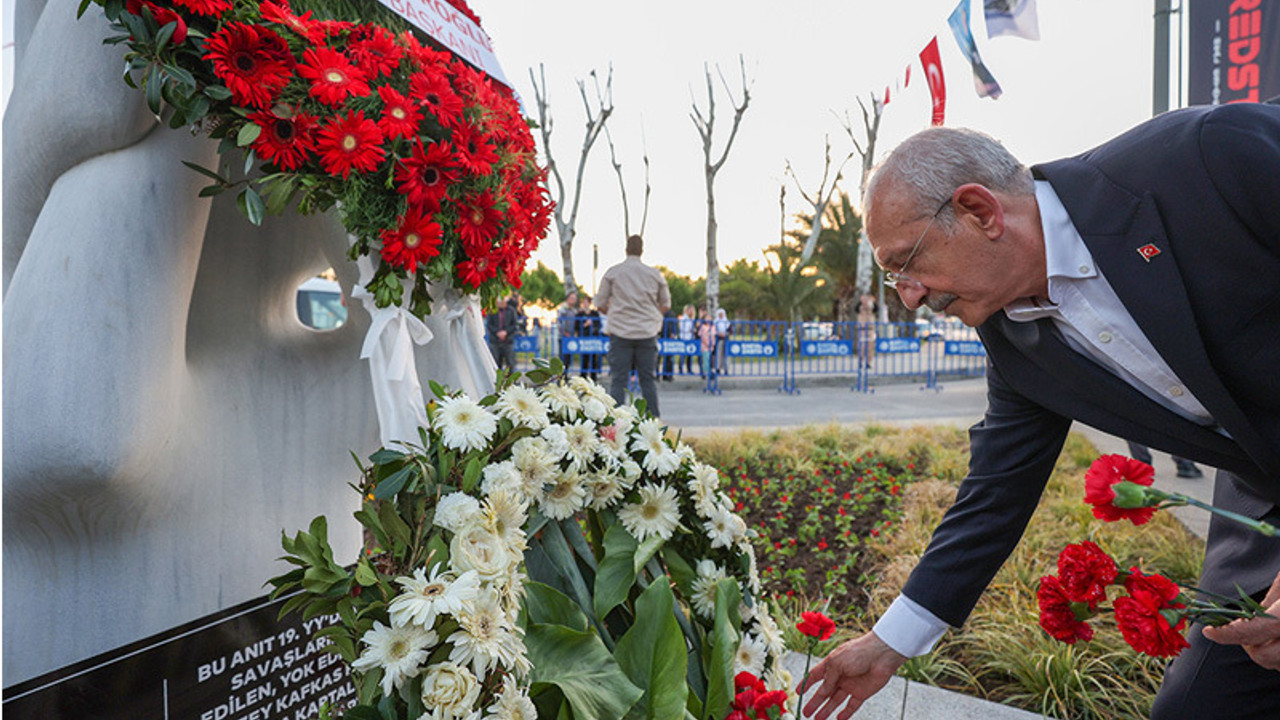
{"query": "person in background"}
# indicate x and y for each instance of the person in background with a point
(501, 326)
(687, 331)
(589, 326)
(634, 296)
(1186, 468)
(707, 342)
(669, 330)
(866, 329)
(567, 326)
(724, 328)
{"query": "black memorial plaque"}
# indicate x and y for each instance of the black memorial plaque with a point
(238, 664)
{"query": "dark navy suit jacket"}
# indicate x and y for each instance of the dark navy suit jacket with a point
(1202, 186)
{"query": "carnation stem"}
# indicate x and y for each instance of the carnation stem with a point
(804, 684)
(1173, 499)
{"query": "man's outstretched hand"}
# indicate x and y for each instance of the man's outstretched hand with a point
(854, 671)
(1260, 637)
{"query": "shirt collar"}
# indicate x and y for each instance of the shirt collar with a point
(1066, 257)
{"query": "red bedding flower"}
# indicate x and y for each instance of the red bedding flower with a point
(333, 77)
(254, 62)
(1057, 617)
(1103, 474)
(425, 175)
(1084, 572)
(415, 240)
(286, 140)
(400, 117)
(350, 142)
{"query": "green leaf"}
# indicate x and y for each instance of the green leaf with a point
(248, 133)
(581, 667)
(206, 172)
(397, 530)
(472, 475)
(181, 76)
(557, 549)
(652, 654)
(617, 570)
(546, 605)
(365, 574)
(153, 89)
(721, 648)
(211, 190)
(392, 485)
(163, 35)
(217, 92)
(250, 205)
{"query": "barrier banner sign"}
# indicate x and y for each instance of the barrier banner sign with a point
(751, 348)
(826, 347)
(898, 345)
(669, 346)
(525, 344)
(964, 347)
(586, 345)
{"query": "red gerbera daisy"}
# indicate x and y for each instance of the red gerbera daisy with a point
(473, 272)
(350, 142)
(254, 62)
(284, 141)
(399, 116)
(426, 174)
(478, 220)
(205, 7)
(475, 153)
(304, 25)
(374, 50)
(332, 76)
(432, 90)
(415, 240)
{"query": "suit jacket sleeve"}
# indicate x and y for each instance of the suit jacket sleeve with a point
(1241, 151)
(1012, 453)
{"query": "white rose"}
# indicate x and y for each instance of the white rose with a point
(477, 547)
(449, 691)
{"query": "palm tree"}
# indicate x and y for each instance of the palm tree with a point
(792, 283)
(837, 255)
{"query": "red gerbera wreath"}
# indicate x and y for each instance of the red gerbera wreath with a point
(254, 62)
(350, 142)
(436, 94)
(416, 239)
(285, 141)
(476, 154)
(426, 174)
(333, 77)
(478, 221)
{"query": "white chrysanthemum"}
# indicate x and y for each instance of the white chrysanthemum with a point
(722, 527)
(580, 437)
(536, 466)
(426, 597)
(605, 490)
(456, 510)
(611, 444)
(703, 487)
(594, 409)
(557, 441)
(658, 456)
(625, 417)
(463, 424)
(630, 473)
(746, 611)
(769, 631)
(478, 547)
(522, 406)
(449, 692)
(399, 651)
(780, 678)
(486, 638)
(562, 400)
(656, 513)
(750, 656)
(506, 511)
(686, 453)
(588, 389)
(566, 496)
(501, 477)
(513, 703)
(704, 588)
(753, 570)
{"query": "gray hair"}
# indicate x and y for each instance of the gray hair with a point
(931, 164)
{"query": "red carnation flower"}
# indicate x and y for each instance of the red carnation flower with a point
(478, 221)
(476, 154)
(333, 77)
(254, 62)
(284, 141)
(415, 240)
(1154, 590)
(1147, 630)
(350, 142)
(304, 25)
(425, 175)
(1106, 472)
(816, 625)
(1085, 571)
(744, 680)
(205, 7)
(399, 116)
(432, 90)
(1057, 617)
(374, 50)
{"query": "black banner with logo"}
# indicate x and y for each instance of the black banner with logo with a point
(1234, 53)
(238, 664)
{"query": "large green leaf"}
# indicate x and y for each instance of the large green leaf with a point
(652, 654)
(617, 570)
(580, 665)
(546, 605)
(719, 652)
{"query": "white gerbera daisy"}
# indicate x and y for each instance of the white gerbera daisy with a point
(486, 638)
(505, 511)
(656, 513)
(456, 510)
(501, 477)
(513, 703)
(720, 527)
(580, 437)
(746, 611)
(750, 656)
(426, 597)
(566, 496)
(624, 417)
(630, 473)
(449, 691)
(594, 409)
(649, 437)
(562, 400)
(769, 631)
(463, 424)
(522, 406)
(686, 453)
(703, 486)
(537, 468)
(605, 490)
(612, 445)
(399, 651)
(704, 588)
(557, 441)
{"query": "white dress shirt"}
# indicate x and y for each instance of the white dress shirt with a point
(1095, 323)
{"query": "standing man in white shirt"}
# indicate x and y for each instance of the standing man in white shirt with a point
(1134, 288)
(634, 296)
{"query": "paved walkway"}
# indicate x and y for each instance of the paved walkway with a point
(756, 403)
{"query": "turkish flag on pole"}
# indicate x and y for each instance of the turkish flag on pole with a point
(932, 63)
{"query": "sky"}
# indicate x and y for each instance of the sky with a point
(1087, 79)
(807, 62)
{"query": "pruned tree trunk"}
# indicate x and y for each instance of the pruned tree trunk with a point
(819, 199)
(705, 123)
(871, 127)
(622, 186)
(596, 118)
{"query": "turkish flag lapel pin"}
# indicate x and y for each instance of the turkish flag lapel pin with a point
(1148, 251)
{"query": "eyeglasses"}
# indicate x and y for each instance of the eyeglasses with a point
(891, 279)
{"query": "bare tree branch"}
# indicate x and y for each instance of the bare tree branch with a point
(819, 200)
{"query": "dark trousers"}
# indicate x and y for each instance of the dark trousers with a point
(640, 355)
(504, 353)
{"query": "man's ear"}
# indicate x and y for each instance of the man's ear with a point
(975, 201)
